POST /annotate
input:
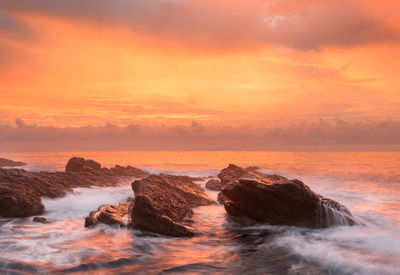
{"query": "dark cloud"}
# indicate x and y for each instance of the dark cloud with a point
(306, 25)
(369, 134)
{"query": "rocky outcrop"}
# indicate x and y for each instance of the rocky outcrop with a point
(259, 198)
(21, 190)
(214, 185)
(110, 214)
(163, 204)
(18, 200)
(233, 173)
(10, 163)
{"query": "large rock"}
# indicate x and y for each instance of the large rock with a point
(233, 173)
(21, 190)
(10, 163)
(163, 204)
(17, 201)
(110, 214)
(259, 198)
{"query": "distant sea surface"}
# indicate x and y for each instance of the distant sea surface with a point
(368, 183)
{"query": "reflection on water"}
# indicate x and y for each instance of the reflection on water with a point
(366, 182)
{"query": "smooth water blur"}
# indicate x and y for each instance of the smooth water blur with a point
(368, 183)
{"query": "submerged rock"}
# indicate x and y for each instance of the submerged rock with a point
(163, 204)
(214, 184)
(40, 220)
(110, 214)
(259, 198)
(10, 163)
(21, 190)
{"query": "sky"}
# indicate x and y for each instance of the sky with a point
(199, 74)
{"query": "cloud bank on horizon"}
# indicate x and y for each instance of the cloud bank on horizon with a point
(228, 65)
(321, 134)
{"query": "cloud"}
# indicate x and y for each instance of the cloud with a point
(302, 25)
(319, 134)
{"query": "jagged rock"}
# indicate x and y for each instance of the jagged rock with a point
(259, 198)
(17, 201)
(214, 184)
(163, 204)
(21, 190)
(110, 214)
(233, 173)
(40, 220)
(10, 163)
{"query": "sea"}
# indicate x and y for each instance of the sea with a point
(368, 183)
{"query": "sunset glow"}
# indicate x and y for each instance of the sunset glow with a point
(170, 63)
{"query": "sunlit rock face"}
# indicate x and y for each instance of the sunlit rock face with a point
(259, 198)
(110, 214)
(163, 204)
(21, 191)
(18, 201)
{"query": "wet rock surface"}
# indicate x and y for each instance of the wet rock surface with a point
(214, 184)
(21, 190)
(10, 163)
(110, 214)
(260, 198)
(163, 204)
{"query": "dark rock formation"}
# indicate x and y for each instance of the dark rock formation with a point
(10, 163)
(259, 198)
(214, 184)
(233, 173)
(110, 214)
(40, 220)
(163, 204)
(19, 200)
(21, 190)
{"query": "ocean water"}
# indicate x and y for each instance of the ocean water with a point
(368, 183)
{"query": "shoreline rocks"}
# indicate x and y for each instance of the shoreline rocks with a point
(163, 204)
(259, 198)
(21, 191)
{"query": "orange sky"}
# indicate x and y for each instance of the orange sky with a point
(174, 62)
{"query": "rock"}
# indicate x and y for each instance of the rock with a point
(233, 172)
(222, 198)
(110, 214)
(21, 190)
(10, 163)
(272, 199)
(81, 165)
(163, 204)
(18, 201)
(214, 184)
(40, 220)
